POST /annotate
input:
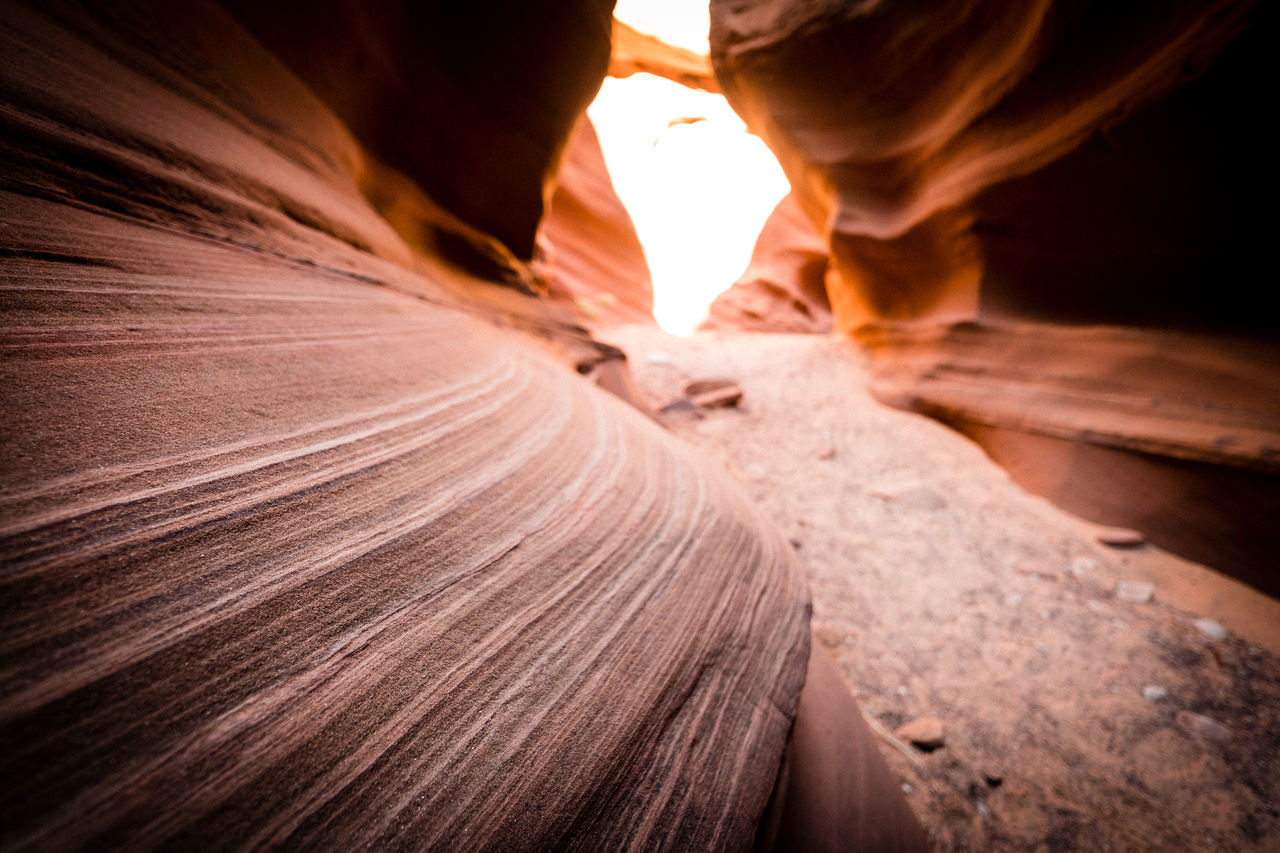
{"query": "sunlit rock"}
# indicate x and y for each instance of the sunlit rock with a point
(784, 288)
(591, 259)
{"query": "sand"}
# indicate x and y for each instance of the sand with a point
(1079, 714)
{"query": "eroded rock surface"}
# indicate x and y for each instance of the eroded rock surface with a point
(1031, 208)
(784, 288)
(296, 550)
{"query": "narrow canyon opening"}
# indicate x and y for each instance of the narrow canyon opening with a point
(351, 497)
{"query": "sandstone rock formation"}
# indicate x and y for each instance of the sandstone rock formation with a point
(1041, 217)
(592, 260)
(784, 288)
(301, 543)
(635, 52)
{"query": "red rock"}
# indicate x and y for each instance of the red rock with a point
(928, 733)
(713, 393)
(307, 539)
(1073, 332)
(1120, 537)
(1203, 728)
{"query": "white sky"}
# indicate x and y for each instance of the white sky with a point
(683, 23)
(698, 192)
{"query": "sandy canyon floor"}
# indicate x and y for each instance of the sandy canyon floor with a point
(1078, 713)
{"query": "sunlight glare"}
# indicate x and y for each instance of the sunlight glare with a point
(697, 185)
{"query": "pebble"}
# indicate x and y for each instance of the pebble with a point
(1135, 592)
(928, 733)
(1211, 628)
(827, 453)
(1154, 693)
(1202, 727)
(726, 395)
(1120, 537)
(658, 357)
(993, 778)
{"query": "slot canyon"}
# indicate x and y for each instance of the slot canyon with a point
(353, 497)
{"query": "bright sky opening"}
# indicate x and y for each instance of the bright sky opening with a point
(698, 186)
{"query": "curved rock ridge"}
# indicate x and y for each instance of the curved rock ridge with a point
(891, 118)
(634, 52)
(784, 287)
(592, 259)
(293, 552)
(443, 92)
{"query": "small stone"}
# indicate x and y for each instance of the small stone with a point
(984, 811)
(1154, 693)
(1120, 537)
(1202, 727)
(1135, 592)
(727, 395)
(906, 788)
(796, 543)
(1211, 628)
(826, 453)
(658, 357)
(828, 636)
(993, 778)
(928, 733)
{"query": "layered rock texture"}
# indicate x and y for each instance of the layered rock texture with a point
(1041, 217)
(784, 288)
(303, 543)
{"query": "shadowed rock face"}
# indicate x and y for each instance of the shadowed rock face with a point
(993, 177)
(297, 549)
(445, 91)
(784, 288)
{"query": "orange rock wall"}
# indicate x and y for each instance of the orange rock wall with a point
(1043, 219)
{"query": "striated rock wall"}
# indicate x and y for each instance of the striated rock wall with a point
(302, 544)
(1041, 216)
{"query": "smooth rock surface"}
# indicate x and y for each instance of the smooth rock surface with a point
(590, 255)
(784, 288)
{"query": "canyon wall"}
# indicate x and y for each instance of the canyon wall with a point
(309, 536)
(784, 287)
(1041, 216)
